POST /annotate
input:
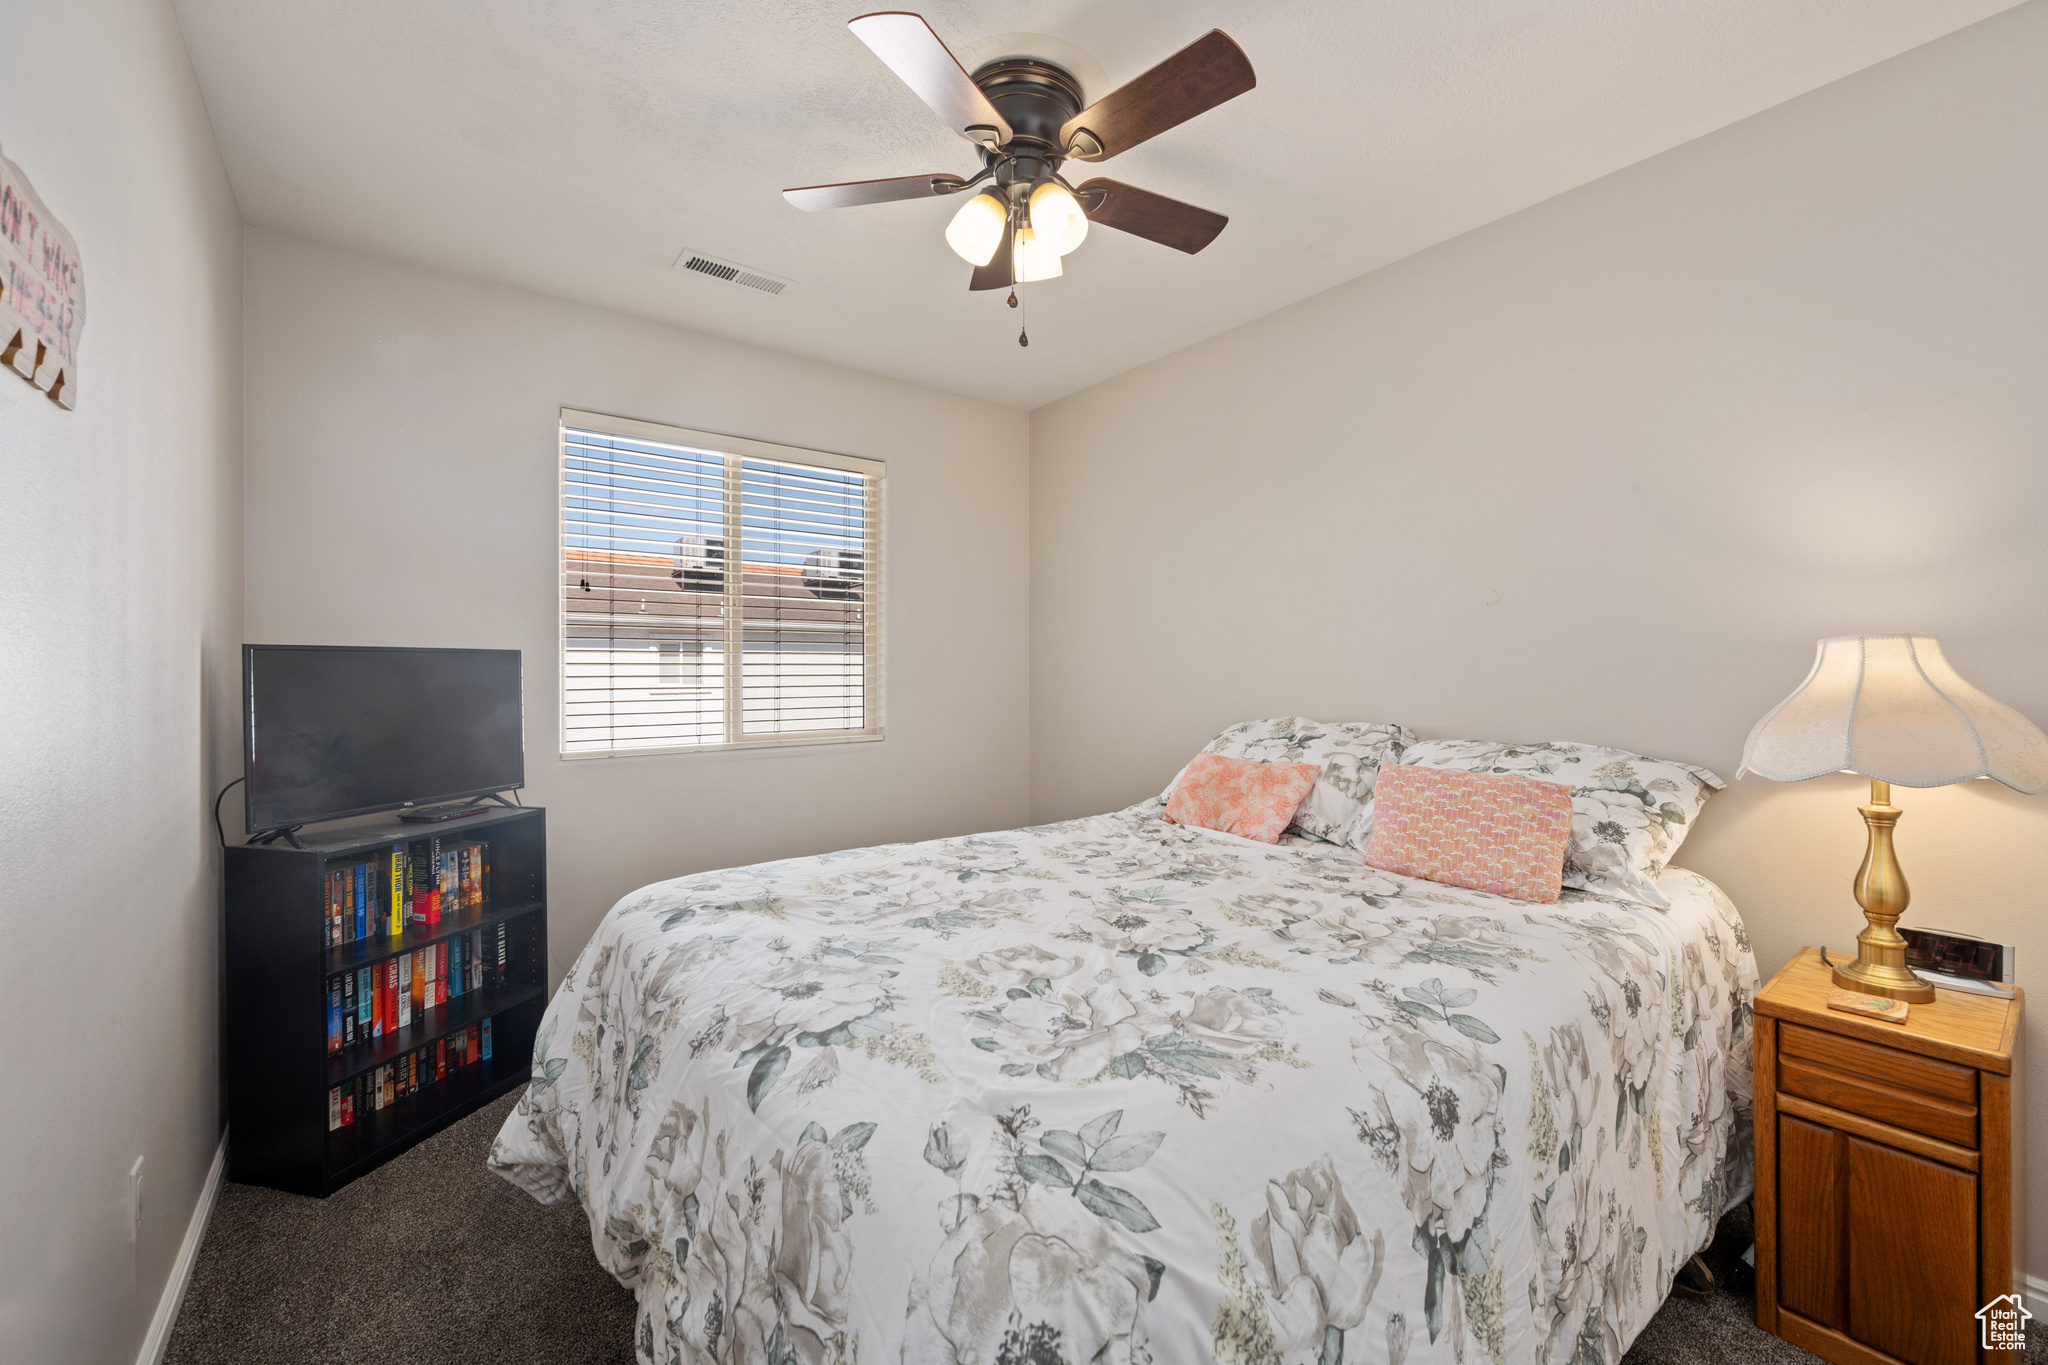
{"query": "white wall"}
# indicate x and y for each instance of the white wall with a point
(403, 490)
(120, 611)
(1605, 470)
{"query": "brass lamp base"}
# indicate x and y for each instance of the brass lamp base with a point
(1880, 965)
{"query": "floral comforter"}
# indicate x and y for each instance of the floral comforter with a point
(1123, 1091)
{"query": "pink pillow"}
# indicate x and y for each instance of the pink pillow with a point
(1239, 796)
(1480, 831)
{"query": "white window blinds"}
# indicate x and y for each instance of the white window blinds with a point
(716, 592)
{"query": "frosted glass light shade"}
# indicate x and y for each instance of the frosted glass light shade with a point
(1892, 708)
(1036, 259)
(1057, 218)
(977, 229)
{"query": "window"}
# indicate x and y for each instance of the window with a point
(716, 592)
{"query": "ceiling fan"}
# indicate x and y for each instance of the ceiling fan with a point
(1026, 119)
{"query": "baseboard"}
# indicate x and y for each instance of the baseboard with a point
(159, 1339)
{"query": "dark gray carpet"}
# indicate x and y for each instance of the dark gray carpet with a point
(428, 1259)
(434, 1259)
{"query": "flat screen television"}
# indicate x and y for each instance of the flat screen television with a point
(332, 731)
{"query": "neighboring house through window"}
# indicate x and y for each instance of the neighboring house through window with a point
(716, 592)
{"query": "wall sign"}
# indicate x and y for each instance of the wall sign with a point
(42, 291)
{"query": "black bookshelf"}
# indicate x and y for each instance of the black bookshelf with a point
(279, 963)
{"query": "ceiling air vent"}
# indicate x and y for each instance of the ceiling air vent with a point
(731, 272)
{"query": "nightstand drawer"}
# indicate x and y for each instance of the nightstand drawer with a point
(1880, 1100)
(1943, 1080)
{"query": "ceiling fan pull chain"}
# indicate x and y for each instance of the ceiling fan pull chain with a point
(1024, 324)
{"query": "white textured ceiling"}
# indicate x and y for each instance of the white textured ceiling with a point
(574, 149)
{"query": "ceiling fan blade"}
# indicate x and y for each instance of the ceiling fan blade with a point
(907, 45)
(997, 273)
(1145, 214)
(1197, 78)
(851, 192)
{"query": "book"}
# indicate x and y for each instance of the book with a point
(378, 1019)
(348, 1009)
(476, 959)
(333, 1108)
(401, 985)
(434, 880)
(440, 973)
(366, 1007)
(397, 889)
(358, 903)
(487, 1040)
(462, 875)
(455, 965)
(498, 979)
(348, 1102)
(440, 1059)
(333, 1016)
(416, 880)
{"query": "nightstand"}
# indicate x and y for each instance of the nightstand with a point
(1890, 1172)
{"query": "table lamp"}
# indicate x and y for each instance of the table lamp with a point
(1891, 708)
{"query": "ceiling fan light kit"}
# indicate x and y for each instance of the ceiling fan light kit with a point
(1024, 117)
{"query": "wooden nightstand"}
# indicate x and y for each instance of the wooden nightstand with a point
(1890, 1172)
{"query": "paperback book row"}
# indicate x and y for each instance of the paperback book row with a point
(369, 1002)
(408, 1075)
(416, 884)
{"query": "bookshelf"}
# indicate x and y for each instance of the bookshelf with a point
(279, 1069)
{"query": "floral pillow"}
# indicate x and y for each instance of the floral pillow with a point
(1629, 813)
(1240, 796)
(1339, 809)
(1484, 832)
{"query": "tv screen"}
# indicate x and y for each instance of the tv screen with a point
(332, 731)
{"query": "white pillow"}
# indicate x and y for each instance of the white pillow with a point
(1629, 813)
(1339, 807)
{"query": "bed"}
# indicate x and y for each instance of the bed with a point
(1121, 1090)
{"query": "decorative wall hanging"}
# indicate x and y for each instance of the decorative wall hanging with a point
(42, 291)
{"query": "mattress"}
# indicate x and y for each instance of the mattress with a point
(1117, 1090)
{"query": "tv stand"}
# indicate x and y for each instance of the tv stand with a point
(283, 968)
(288, 833)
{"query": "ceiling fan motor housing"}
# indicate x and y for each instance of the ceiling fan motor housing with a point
(1035, 98)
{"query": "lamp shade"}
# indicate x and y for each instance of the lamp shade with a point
(1057, 218)
(977, 229)
(1036, 258)
(1892, 708)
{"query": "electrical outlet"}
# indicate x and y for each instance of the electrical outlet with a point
(135, 1202)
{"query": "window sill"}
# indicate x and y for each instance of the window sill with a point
(779, 742)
